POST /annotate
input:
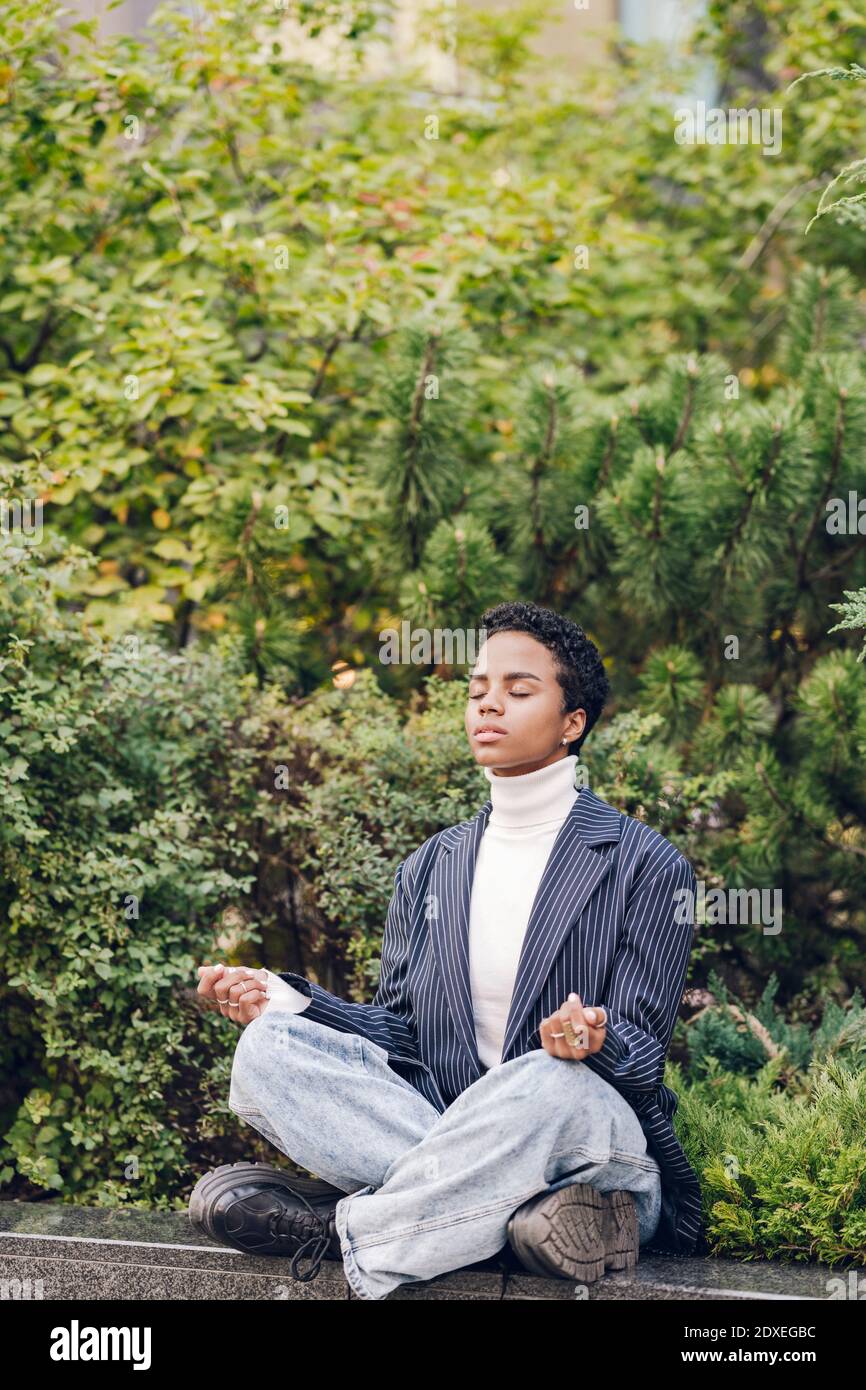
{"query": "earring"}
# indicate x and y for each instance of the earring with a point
(565, 740)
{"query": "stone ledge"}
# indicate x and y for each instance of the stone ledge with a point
(91, 1253)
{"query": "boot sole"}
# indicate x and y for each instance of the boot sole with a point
(576, 1233)
(620, 1231)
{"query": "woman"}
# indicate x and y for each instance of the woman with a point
(504, 1087)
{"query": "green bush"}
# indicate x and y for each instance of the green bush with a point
(782, 1170)
(221, 269)
(128, 806)
(738, 1039)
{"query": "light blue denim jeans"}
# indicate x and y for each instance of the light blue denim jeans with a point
(430, 1192)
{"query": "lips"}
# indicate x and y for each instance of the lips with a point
(489, 733)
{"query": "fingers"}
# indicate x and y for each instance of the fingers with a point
(246, 990)
(253, 1002)
(575, 1026)
(546, 1029)
(572, 1020)
(553, 1037)
(234, 982)
(238, 992)
(209, 974)
(597, 1019)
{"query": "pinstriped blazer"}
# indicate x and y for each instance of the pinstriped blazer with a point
(607, 921)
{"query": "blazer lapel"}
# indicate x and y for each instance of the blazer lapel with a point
(571, 875)
(449, 888)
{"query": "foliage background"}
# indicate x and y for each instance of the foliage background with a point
(215, 324)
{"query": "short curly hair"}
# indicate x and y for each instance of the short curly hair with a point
(578, 664)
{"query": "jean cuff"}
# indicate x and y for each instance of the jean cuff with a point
(350, 1265)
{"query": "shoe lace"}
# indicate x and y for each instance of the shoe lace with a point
(318, 1237)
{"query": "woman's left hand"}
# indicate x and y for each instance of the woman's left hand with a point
(588, 1025)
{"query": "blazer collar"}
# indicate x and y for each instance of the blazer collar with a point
(573, 871)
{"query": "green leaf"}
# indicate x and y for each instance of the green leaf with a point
(170, 548)
(44, 372)
(146, 272)
(293, 427)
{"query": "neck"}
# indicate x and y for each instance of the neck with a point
(534, 798)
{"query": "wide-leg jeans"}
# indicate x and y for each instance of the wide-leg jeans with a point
(429, 1192)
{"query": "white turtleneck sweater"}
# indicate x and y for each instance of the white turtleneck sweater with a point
(525, 819)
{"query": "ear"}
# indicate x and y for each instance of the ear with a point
(577, 724)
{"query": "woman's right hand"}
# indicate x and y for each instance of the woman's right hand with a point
(235, 991)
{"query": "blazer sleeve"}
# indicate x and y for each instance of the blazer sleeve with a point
(646, 980)
(389, 1020)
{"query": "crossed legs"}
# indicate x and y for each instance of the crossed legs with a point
(430, 1192)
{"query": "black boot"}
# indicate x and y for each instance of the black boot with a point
(263, 1210)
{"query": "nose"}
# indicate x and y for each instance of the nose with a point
(489, 702)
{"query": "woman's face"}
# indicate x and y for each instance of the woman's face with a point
(513, 688)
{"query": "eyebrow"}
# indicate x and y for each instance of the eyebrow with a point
(510, 676)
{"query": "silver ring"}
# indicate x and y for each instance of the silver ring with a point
(557, 1035)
